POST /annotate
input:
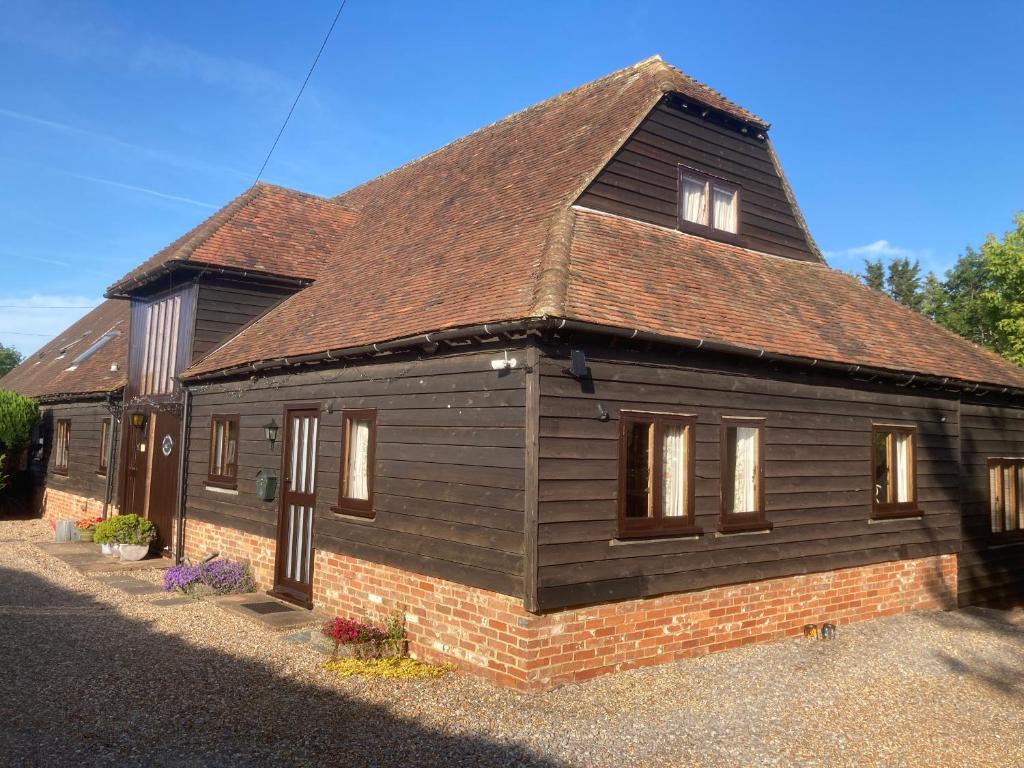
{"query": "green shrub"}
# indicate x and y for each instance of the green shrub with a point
(18, 415)
(125, 529)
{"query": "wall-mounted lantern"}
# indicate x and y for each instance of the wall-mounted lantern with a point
(137, 419)
(270, 431)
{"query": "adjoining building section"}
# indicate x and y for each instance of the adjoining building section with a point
(575, 394)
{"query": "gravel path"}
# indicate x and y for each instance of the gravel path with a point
(93, 676)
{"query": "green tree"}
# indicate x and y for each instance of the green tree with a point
(18, 415)
(9, 359)
(1003, 261)
(968, 308)
(874, 275)
(933, 297)
(903, 282)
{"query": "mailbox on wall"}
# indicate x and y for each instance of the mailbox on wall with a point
(266, 485)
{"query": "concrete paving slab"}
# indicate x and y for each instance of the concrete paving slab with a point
(172, 601)
(282, 616)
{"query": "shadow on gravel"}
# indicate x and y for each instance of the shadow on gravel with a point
(82, 685)
(999, 664)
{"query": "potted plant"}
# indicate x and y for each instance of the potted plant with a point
(87, 527)
(104, 536)
(134, 534)
(351, 638)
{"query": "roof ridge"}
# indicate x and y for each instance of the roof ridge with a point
(667, 86)
(575, 90)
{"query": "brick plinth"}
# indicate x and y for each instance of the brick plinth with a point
(490, 634)
(63, 505)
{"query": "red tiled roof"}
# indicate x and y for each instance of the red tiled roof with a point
(267, 229)
(628, 274)
(45, 373)
(483, 230)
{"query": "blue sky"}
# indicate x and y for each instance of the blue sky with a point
(122, 125)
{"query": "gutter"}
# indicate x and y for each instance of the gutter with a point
(179, 507)
(552, 324)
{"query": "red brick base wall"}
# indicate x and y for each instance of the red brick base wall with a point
(62, 505)
(491, 634)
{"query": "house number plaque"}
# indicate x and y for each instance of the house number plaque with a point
(167, 445)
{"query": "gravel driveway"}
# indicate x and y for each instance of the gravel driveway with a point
(92, 676)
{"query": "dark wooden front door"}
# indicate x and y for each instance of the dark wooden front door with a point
(136, 467)
(163, 483)
(293, 569)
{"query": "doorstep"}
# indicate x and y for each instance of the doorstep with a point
(268, 611)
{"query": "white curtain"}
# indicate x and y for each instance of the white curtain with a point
(674, 472)
(695, 207)
(744, 486)
(218, 447)
(1009, 481)
(724, 202)
(903, 489)
(358, 458)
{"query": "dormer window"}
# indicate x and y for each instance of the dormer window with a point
(707, 204)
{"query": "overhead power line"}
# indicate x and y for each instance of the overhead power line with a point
(301, 89)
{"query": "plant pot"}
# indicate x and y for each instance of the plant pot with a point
(133, 552)
(384, 649)
(107, 549)
(85, 535)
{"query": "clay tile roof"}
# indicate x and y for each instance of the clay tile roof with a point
(45, 373)
(484, 230)
(267, 229)
(692, 288)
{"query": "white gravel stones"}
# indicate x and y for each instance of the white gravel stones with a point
(95, 676)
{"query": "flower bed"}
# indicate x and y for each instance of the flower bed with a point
(356, 639)
(216, 577)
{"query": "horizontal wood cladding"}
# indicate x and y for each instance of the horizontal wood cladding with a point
(82, 478)
(817, 477)
(641, 180)
(991, 565)
(448, 494)
(223, 307)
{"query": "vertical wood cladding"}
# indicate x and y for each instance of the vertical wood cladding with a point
(223, 307)
(449, 466)
(991, 569)
(641, 180)
(82, 478)
(818, 480)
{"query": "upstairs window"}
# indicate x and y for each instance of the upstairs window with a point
(105, 426)
(1006, 494)
(893, 462)
(707, 203)
(223, 471)
(359, 438)
(656, 469)
(161, 323)
(62, 446)
(742, 469)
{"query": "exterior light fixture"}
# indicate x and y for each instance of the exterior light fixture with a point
(137, 419)
(270, 431)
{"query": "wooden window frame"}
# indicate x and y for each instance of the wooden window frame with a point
(897, 509)
(1016, 465)
(657, 525)
(742, 522)
(61, 469)
(346, 505)
(106, 432)
(708, 230)
(229, 479)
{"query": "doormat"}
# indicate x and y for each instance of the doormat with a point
(268, 607)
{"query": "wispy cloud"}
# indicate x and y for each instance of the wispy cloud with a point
(142, 190)
(852, 259)
(28, 322)
(168, 158)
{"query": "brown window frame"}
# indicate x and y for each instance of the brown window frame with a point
(896, 509)
(62, 427)
(106, 428)
(346, 505)
(742, 522)
(657, 524)
(229, 478)
(709, 229)
(1016, 466)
